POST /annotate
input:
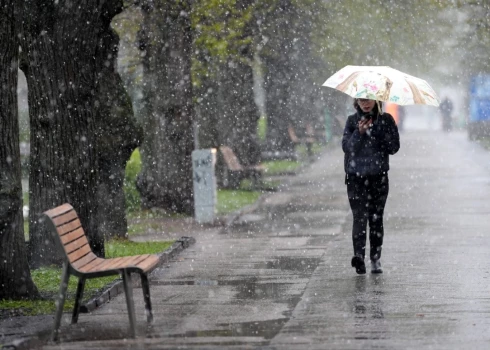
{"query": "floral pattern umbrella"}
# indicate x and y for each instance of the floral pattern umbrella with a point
(383, 83)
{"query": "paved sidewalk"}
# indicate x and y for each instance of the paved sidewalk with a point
(280, 278)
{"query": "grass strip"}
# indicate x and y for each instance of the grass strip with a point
(48, 279)
(232, 200)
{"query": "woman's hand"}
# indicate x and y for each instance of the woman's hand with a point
(364, 125)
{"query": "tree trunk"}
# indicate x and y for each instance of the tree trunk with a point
(277, 90)
(117, 133)
(61, 44)
(301, 102)
(240, 113)
(247, 112)
(208, 116)
(279, 76)
(166, 177)
(15, 277)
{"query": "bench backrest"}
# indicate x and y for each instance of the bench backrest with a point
(230, 159)
(71, 234)
(292, 135)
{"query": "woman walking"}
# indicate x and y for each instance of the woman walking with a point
(370, 136)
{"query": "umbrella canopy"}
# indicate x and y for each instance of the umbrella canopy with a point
(383, 83)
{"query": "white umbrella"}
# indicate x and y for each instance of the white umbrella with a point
(383, 83)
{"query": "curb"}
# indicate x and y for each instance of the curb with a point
(233, 217)
(117, 287)
(24, 344)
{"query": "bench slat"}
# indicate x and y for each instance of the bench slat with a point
(78, 264)
(143, 262)
(72, 236)
(73, 226)
(106, 264)
(65, 218)
(149, 263)
(292, 135)
(58, 210)
(116, 263)
(76, 244)
(230, 159)
(94, 263)
(258, 167)
(77, 254)
(130, 261)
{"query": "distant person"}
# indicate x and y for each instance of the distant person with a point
(370, 136)
(446, 109)
(402, 113)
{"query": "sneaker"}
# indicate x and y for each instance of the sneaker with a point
(358, 263)
(376, 266)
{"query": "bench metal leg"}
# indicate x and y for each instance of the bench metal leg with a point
(78, 299)
(128, 290)
(146, 295)
(256, 178)
(309, 149)
(65, 277)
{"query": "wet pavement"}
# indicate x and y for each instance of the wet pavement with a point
(280, 277)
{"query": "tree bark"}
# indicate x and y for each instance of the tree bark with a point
(208, 114)
(240, 114)
(278, 76)
(301, 102)
(166, 177)
(15, 277)
(117, 133)
(60, 44)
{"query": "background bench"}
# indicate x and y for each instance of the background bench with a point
(234, 171)
(83, 263)
(308, 140)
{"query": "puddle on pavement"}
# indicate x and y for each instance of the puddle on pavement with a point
(298, 264)
(263, 329)
(247, 289)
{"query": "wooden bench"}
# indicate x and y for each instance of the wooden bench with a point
(80, 261)
(234, 171)
(308, 141)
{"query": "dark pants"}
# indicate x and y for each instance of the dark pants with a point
(367, 198)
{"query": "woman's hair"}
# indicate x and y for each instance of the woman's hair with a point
(356, 105)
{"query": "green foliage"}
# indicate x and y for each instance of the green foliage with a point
(24, 129)
(141, 227)
(133, 167)
(278, 167)
(351, 35)
(153, 213)
(264, 185)
(122, 247)
(232, 200)
(262, 128)
(48, 279)
(302, 151)
(127, 25)
(32, 307)
(220, 35)
(474, 41)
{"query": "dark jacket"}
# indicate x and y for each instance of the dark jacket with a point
(368, 154)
